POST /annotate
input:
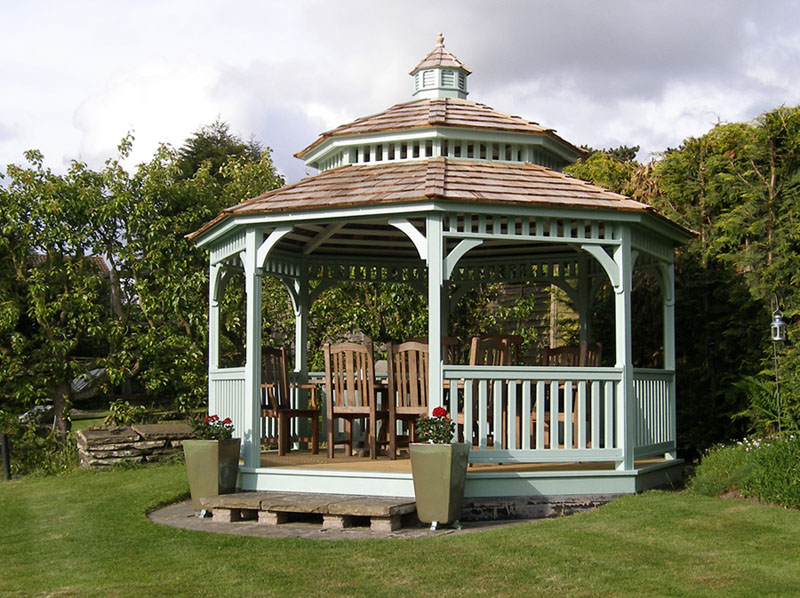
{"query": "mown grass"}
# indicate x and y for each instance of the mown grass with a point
(86, 534)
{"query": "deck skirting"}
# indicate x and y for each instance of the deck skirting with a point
(499, 482)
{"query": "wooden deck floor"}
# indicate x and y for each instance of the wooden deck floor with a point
(303, 459)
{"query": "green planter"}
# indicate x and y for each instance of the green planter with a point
(212, 467)
(440, 471)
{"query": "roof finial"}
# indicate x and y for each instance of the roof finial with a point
(440, 40)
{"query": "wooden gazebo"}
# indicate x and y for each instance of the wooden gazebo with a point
(442, 193)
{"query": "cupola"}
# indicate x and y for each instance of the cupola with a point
(440, 75)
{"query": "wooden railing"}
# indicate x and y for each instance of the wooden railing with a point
(654, 411)
(535, 414)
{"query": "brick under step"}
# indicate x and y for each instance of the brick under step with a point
(338, 511)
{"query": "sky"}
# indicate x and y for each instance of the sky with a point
(77, 75)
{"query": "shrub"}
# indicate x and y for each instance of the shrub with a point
(122, 413)
(722, 469)
(35, 450)
(776, 472)
(767, 470)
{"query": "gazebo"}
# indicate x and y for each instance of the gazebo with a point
(442, 193)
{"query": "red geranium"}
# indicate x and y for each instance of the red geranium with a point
(439, 412)
(211, 427)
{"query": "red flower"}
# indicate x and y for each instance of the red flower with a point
(207, 419)
(440, 412)
(227, 420)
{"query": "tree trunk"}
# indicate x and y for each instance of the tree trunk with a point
(61, 406)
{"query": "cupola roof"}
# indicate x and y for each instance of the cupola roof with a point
(440, 74)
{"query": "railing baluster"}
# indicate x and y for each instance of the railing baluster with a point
(582, 414)
(483, 424)
(540, 398)
(526, 419)
(555, 436)
(569, 420)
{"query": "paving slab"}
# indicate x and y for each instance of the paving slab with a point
(181, 515)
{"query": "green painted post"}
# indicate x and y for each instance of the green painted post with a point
(435, 283)
(626, 425)
(251, 434)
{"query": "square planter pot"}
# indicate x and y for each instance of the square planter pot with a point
(440, 472)
(212, 467)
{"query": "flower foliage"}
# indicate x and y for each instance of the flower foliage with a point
(211, 427)
(437, 429)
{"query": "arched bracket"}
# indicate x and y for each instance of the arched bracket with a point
(412, 232)
(269, 243)
(293, 288)
(663, 276)
(572, 292)
(608, 263)
(458, 252)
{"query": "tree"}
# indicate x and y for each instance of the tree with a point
(54, 304)
(214, 144)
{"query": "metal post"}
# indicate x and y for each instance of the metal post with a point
(6, 460)
(777, 387)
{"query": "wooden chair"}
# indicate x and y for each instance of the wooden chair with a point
(584, 355)
(350, 393)
(450, 348)
(277, 399)
(512, 342)
(408, 388)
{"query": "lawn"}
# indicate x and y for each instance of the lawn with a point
(86, 534)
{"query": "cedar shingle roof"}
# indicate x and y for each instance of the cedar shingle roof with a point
(439, 57)
(445, 112)
(434, 179)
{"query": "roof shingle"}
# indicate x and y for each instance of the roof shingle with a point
(434, 179)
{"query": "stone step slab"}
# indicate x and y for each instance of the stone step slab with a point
(338, 511)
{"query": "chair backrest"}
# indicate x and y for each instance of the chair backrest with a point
(591, 355)
(489, 350)
(275, 377)
(408, 373)
(567, 356)
(349, 375)
(513, 343)
(584, 355)
(450, 348)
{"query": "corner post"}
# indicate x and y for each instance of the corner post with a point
(251, 433)
(668, 294)
(435, 257)
(626, 401)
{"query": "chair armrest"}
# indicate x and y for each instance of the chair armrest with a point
(313, 394)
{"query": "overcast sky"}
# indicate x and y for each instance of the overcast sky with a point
(76, 75)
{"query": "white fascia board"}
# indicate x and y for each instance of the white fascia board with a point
(656, 225)
(270, 220)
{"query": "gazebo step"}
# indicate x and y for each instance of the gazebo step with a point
(338, 511)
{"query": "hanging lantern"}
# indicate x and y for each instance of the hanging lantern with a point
(778, 328)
